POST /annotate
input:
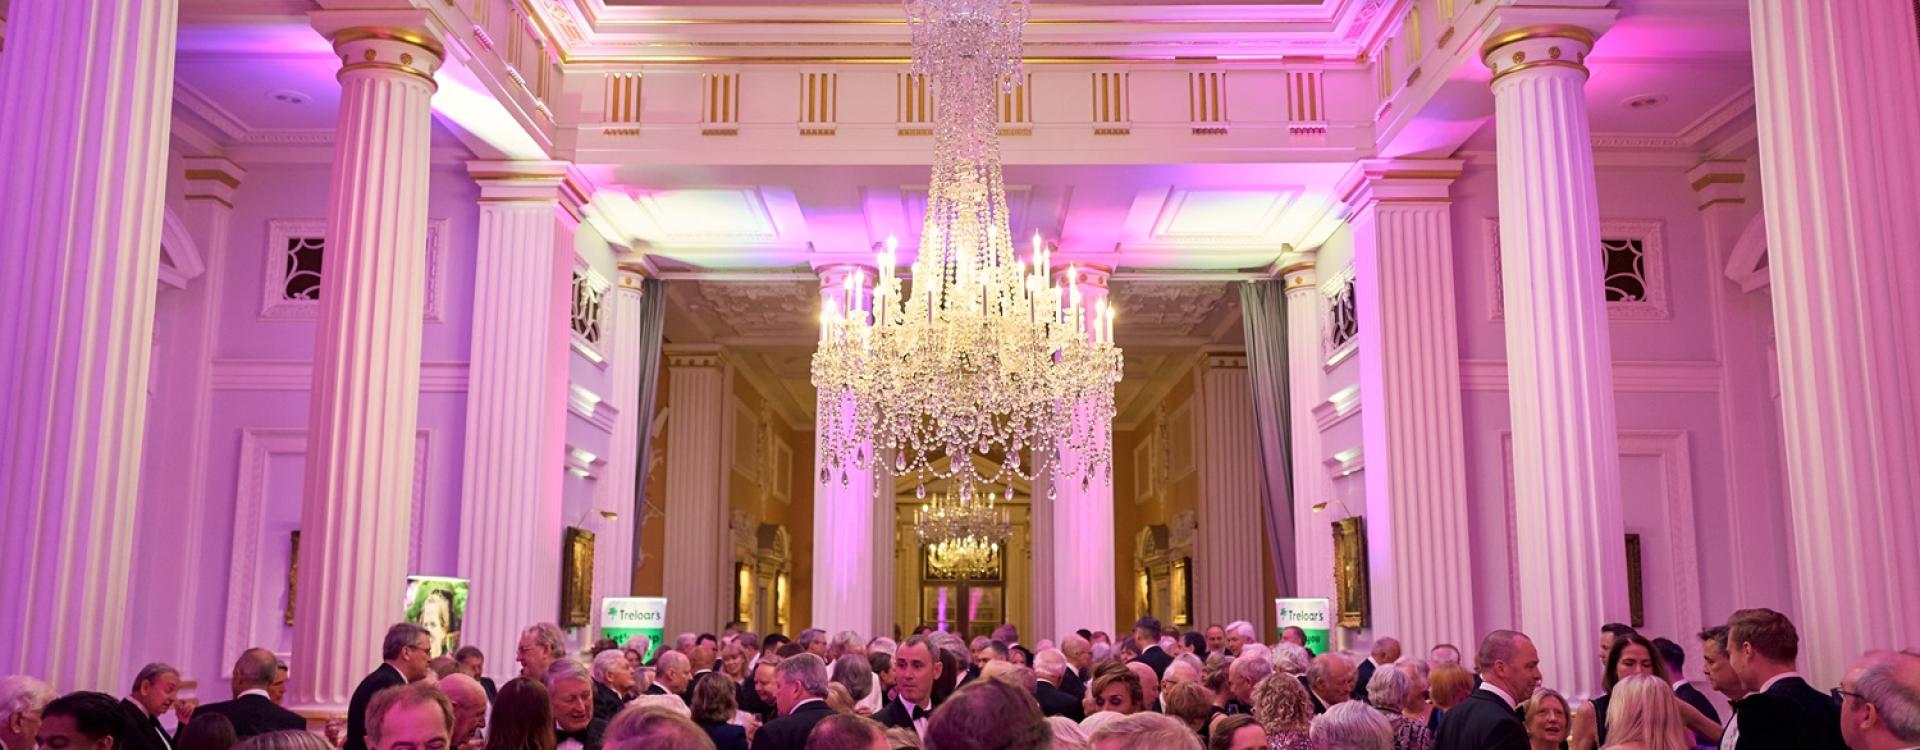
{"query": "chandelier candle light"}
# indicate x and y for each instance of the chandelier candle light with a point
(979, 351)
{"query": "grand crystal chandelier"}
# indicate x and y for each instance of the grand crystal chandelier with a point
(981, 351)
(962, 535)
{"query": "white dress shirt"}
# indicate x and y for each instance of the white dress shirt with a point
(1495, 689)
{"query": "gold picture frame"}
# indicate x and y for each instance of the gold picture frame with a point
(293, 575)
(1636, 594)
(576, 578)
(1350, 572)
(1183, 592)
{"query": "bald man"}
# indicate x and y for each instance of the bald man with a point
(1880, 702)
(1079, 654)
(469, 708)
(252, 710)
(1149, 685)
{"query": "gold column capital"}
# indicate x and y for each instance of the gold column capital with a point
(402, 42)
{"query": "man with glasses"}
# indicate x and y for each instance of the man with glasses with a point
(405, 653)
(1880, 702)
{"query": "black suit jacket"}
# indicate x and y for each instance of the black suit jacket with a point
(596, 729)
(252, 714)
(725, 736)
(1056, 702)
(486, 683)
(790, 732)
(1791, 715)
(749, 701)
(1360, 678)
(1154, 657)
(1697, 699)
(382, 678)
(895, 714)
(143, 732)
(1073, 684)
(1481, 722)
(606, 702)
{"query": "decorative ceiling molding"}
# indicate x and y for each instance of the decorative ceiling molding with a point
(236, 131)
(1168, 308)
(765, 308)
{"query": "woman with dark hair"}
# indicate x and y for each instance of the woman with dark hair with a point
(1117, 689)
(713, 709)
(952, 665)
(522, 717)
(1632, 654)
(209, 731)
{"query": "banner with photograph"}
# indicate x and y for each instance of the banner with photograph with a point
(623, 617)
(438, 604)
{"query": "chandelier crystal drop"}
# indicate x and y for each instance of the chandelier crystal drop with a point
(979, 351)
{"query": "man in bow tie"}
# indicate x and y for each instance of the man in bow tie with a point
(915, 669)
(571, 688)
(152, 696)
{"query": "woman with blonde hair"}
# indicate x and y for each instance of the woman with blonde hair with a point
(1546, 715)
(1281, 706)
(1643, 715)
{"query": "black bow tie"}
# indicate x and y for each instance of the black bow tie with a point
(920, 713)
(579, 736)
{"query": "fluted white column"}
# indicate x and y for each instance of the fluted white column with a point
(1566, 463)
(510, 488)
(85, 147)
(1043, 622)
(1410, 398)
(1228, 580)
(355, 519)
(1834, 84)
(1082, 519)
(882, 569)
(843, 528)
(1306, 375)
(697, 548)
(613, 554)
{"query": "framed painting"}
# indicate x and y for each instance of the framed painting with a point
(1350, 571)
(293, 576)
(1636, 590)
(576, 578)
(1182, 592)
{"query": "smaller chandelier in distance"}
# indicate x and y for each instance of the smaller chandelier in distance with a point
(963, 535)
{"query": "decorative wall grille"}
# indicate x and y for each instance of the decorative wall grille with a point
(1633, 258)
(588, 289)
(302, 257)
(1342, 314)
(295, 265)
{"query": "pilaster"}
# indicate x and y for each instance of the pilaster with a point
(1416, 490)
(512, 469)
(699, 452)
(1834, 87)
(1306, 377)
(85, 150)
(1229, 582)
(365, 395)
(626, 372)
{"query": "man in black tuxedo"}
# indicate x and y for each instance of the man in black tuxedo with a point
(1386, 651)
(916, 667)
(1720, 674)
(1079, 653)
(1676, 659)
(755, 696)
(570, 693)
(154, 688)
(802, 700)
(1330, 681)
(474, 663)
(1047, 668)
(1146, 634)
(404, 651)
(252, 711)
(612, 681)
(1783, 712)
(1489, 719)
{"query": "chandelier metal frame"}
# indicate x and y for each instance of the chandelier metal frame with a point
(980, 351)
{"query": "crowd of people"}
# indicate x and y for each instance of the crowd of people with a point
(1152, 689)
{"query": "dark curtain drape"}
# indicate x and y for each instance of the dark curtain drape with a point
(653, 314)
(1263, 312)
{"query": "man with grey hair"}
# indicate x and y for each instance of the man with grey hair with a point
(1385, 651)
(404, 654)
(1145, 731)
(1240, 633)
(1185, 668)
(570, 691)
(847, 642)
(1330, 681)
(1242, 675)
(1290, 658)
(1079, 654)
(1352, 726)
(801, 697)
(152, 696)
(22, 698)
(612, 681)
(1880, 701)
(813, 641)
(1487, 720)
(539, 646)
(252, 710)
(672, 673)
(1048, 665)
(469, 701)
